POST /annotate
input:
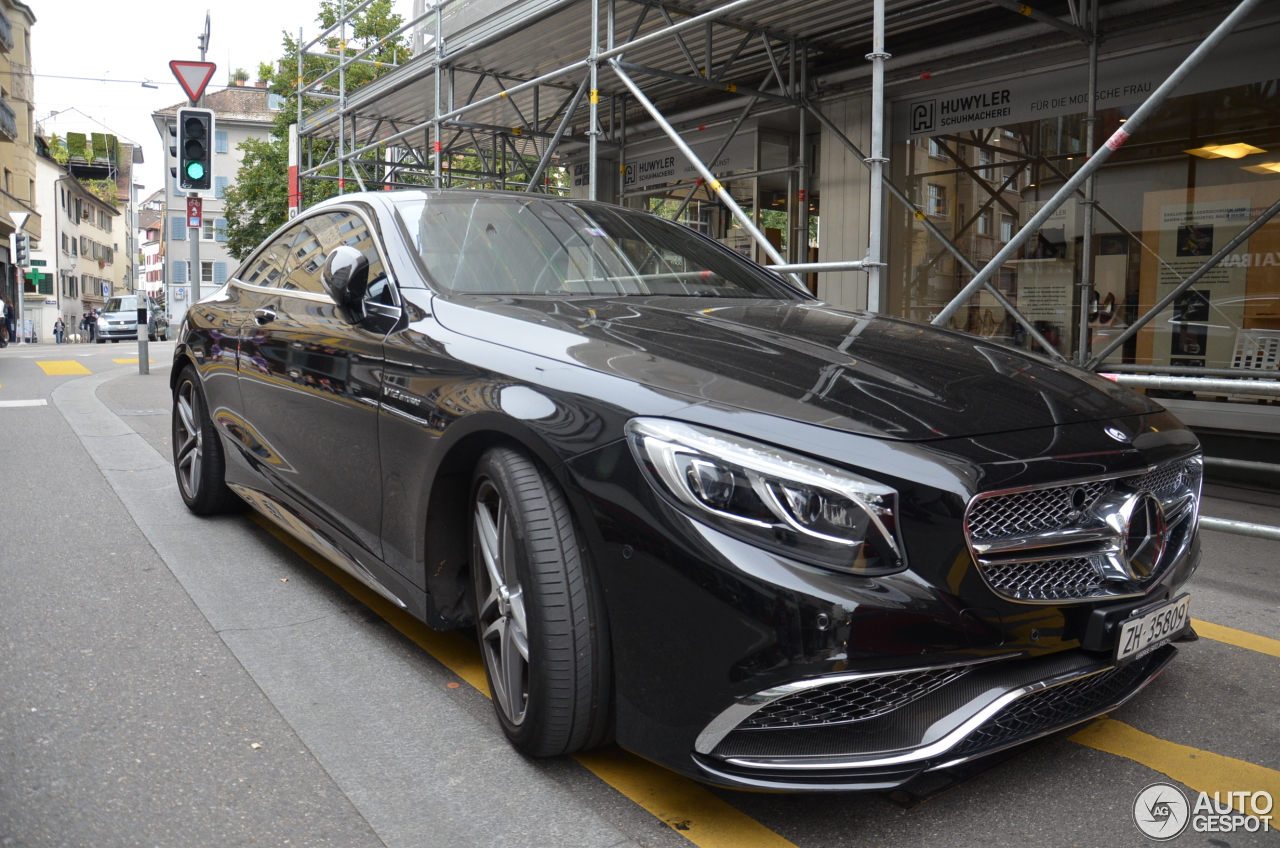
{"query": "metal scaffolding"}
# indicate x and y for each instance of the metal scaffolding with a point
(500, 91)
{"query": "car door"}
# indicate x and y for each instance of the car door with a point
(312, 382)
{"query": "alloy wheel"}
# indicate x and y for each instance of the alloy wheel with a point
(503, 624)
(190, 438)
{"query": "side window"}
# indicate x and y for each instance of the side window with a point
(306, 256)
(324, 233)
(269, 266)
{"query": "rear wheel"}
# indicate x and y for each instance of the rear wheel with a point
(539, 618)
(197, 451)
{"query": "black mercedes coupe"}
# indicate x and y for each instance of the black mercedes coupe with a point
(761, 541)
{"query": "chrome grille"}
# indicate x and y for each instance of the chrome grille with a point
(1045, 580)
(1035, 511)
(1051, 544)
(850, 700)
(1167, 479)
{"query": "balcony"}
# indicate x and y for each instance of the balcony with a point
(8, 121)
(6, 32)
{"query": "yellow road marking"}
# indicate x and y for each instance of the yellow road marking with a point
(127, 361)
(682, 804)
(1203, 771)
(62, 367)
(1239, 638)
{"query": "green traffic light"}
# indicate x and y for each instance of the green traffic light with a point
(195, 170)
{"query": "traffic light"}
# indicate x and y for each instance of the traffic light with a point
(21, 250)
(195, 149)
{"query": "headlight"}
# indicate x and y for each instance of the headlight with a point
(773, 498)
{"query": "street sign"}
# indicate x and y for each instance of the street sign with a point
(19, 219)
(195, 212)
(193, 76)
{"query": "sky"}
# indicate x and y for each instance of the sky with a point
(113, 48)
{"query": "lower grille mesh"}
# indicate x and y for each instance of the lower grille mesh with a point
(851, 700)
(1057, 707)
(1045, 580)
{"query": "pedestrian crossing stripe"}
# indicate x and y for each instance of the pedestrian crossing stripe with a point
(62, 367)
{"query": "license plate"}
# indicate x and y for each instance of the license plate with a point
(1143, 633)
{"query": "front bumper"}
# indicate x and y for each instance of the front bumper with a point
(124, 331)
(988, 708)
(701, 623)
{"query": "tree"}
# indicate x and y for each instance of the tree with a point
(258, 202)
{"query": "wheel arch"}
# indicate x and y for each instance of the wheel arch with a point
(446, 540)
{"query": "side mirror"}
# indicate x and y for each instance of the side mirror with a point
(345, 278)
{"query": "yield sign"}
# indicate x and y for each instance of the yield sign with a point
(193, 76)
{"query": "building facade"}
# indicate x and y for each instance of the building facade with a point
(17, 152)
(81, 265)
(239, 113)
(150, 239)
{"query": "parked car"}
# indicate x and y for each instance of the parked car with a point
(119, 320)
(761, 541)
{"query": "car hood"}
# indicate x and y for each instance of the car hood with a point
(859, 372)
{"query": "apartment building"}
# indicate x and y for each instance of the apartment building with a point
(81, 263)
(17, 148)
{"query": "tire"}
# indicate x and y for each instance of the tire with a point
(198, 461)
(101, 340)
(553, 697)
(151, 337)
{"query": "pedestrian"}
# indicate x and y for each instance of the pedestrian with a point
(4, 322)
(59, 329)
(10, 323)
(92, 322)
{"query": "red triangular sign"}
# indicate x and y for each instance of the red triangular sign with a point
(193, 76)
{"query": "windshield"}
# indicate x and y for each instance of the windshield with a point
(121, 304)
(499, 245)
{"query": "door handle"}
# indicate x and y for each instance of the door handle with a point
(264, 316)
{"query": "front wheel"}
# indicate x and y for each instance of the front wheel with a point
(197, 451)
(151, 337)
(539, 617)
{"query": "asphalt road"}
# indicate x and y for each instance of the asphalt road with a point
(173, 681)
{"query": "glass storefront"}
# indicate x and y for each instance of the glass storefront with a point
(758, 169)
(1201, 169)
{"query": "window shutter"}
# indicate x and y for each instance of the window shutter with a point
(219, 186)
(219, 141)
(179, 226)
(219, 273)
(179, 272)
(220, 229)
